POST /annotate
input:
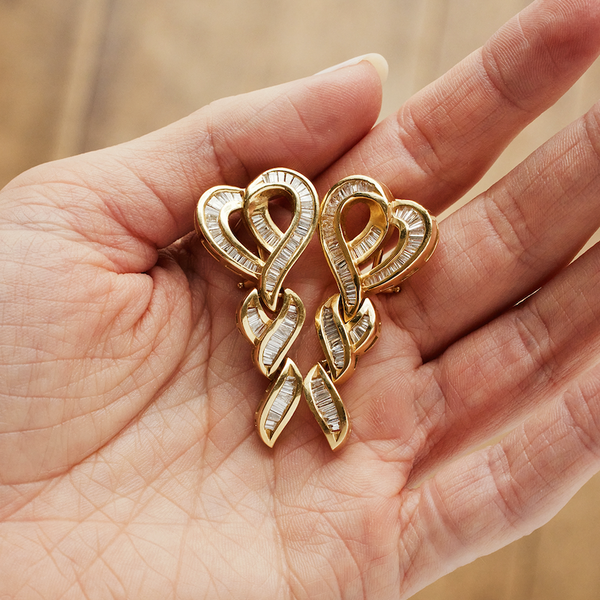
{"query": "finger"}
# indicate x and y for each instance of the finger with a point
(445, 137)
(506, 243)
(147, 189)
(495, 377)
(486, 500)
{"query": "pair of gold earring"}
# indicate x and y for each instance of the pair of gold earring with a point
(397, 240)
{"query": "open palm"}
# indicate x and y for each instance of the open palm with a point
(129, 463)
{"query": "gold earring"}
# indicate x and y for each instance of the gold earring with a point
(271, 336)
(347, 323)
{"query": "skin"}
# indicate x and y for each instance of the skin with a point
(129, 463)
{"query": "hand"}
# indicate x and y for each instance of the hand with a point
(130, 466)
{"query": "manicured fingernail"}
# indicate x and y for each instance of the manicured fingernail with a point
(376, 60)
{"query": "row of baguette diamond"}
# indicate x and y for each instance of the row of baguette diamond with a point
(334, 339)
(280, 336)
(212, 211)
(306, 208)
(416, 229)
(360, 328)
(267, 233)
(322, 397)
(324, 404)
(280, 262)
(300, 232)
(284, 398)
(368, 243)
(329, 234)
(256, 323)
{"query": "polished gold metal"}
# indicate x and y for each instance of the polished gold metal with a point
(212, 221)
(343, 342)
(272, 338)
(327, 406)
(269, 318)
(348, 259)
(279, 403)
(278, 251)
(398, 239)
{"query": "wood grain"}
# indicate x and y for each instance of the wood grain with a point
(36, 44)
(80, 75)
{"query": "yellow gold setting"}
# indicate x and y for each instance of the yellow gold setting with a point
(343, 342)
(327, 406)
(417, 238)
(279, 403)
(278, 251)
(212, 221)
(397, 240)
(269, 318)
(272, 338)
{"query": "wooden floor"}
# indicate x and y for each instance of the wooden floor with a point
(76, 75)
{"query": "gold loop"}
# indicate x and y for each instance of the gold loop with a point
(417, 238)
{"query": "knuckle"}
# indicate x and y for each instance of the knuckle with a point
(583, 416)
(508, 228)
(535, 339)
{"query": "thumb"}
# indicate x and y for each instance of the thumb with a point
(146, 189)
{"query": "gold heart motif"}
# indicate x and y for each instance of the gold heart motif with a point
(278, 250)
(415, 227)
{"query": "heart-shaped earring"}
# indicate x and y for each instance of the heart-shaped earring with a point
(270, 334)
(398, 239)
(415, 227)
(278, 250)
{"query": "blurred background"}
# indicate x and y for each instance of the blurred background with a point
(77, 75)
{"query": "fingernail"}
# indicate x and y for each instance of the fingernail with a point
(376, 60)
